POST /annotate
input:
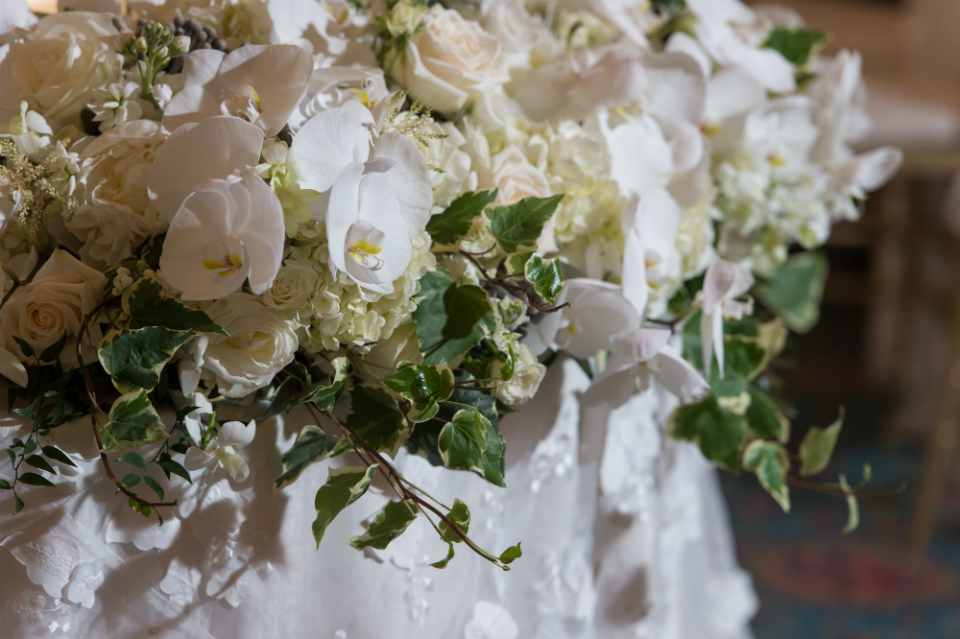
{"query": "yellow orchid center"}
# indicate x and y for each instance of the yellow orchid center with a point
(362, 97)
(777, 160)
(227, 265)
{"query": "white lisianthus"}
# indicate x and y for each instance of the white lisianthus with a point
(450, 61)
(527, 375)
(57, 67)
(115, 104)
(30, 132)
(220, 455)
(62, 293)
(294, 285)
(261, 343)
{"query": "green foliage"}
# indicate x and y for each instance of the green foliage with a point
(749, 346)
(795, 289)
(325, 394)
(511, 554)
(344, 486)
(148, 305)
(460, 516)
(446, 560)
(764, 417)
(376, 418)
(154, 486)
(463, 440)
(135, 358)
(817, 446)
(450, 319)
(311, 446)
(796, 45)
(52, 352)
(770, 461)
(33, 479)
(300, 389)
(718, 431)
(545, 276)
(448, 227)
(133, 422)
(388, 524)
(423, 386)
(520, 225)
(56, 454)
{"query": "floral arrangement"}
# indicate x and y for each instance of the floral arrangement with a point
(398, 215)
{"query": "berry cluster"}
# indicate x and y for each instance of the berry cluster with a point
(200, 38)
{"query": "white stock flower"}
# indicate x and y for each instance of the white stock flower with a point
(223, 234)
(115, 104)
(221, 452)
(450, 61)
(379, 193)
(66, 168)
(57, 67)
(262, 84)
(261, 343)
(527, 375)
(722, 285)
(30, 132)
(62, 293)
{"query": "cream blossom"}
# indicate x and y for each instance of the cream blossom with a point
(221, 452)
(516, 178)
(261, 343)
(450, 61)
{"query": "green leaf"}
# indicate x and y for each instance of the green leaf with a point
(817, 446)
(853, 508)
(446, 560)
(344, 486)
(765, 418)
(133, 422)
(423, 386)
(511, 554)
(135, 358)
(130, 480)
(519, 225)
(284, 397)
(169, 466)
(25, 348)
(5, 485)
(717, 430)
(517, 263)
(17, 503)
(388, 524)
(460, 516)
(311, 446)
(545, 277)
(795, 289)
(796, 45)
(147, 305)
(509, 364)
(375, 417)
(39, 462)
(324, 395)
(132, 458)
(448, 227)
(52, 352)
(33, 479)
(450, 319)
(770, 461)
(154, 486)
(463, 440)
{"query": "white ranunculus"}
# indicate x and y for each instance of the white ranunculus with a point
(527, 375)
(116, 214)
(450, 61)
(62, 293)
(516, 178)
(57, 67)
(261, 343)
(295, 283)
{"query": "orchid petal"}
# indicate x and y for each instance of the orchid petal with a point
(875, 168)
(680, 378)
(410, 178)
(342, 212)
(598, 312)
(237, 434)
(330, 141)
(12, 368)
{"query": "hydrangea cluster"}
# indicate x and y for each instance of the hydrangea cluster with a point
(399, 215)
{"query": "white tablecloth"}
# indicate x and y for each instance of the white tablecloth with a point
(624, 534)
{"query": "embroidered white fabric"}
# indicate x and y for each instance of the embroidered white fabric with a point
(623, 530)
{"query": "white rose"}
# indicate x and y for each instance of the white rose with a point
(517, 30)
(63, 292)
(516, 178)
(450, 61)
(527, 375)
(294, 285)
(57, 67)
(261, 343)
(117, 214)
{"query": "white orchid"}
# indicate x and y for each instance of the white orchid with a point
(377, 193)
(224, 233)
(723, 284)
(220, 455)
(650, 256)
(261, 84)
(30, 132)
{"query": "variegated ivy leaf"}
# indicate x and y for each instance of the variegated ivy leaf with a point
(134, 358)
(798, 46)
(375, 417)
(770, 461)
(795, 290)
(749, 346)
(388, 524)
(853, 507)
(148, 305)
(311, 446)
(817, 446)
(423, 386)
(460, 516)
(133, 422)
(545, 276)
(511, 554)
(519, 225)
(446, 560)
(718, 431)
(450, 319)
(344, 486)
(324, 395)
(448, 227)
(463, 441)
(765, 418)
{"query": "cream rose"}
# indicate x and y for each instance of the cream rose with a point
(57, 67)
(516, 178)
(261, 343)
(450, 61)
(117, 214)
(62, 293)
(294, 285)
(527, 375)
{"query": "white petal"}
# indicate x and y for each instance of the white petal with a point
(343, 210)
(875, 168)
(598, 312)
(217, 148)
(261, 229)
(190, 106)
(12, 368)
(680, 378)
(237, 434)
(410, 178)
(200, 67)
(379, 207)
(195, 459)
(677, 87)
(235, 465)
(640, 155)
(330, 141)
(732, 91)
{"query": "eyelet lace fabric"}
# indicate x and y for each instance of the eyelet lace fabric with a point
(623, 530)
